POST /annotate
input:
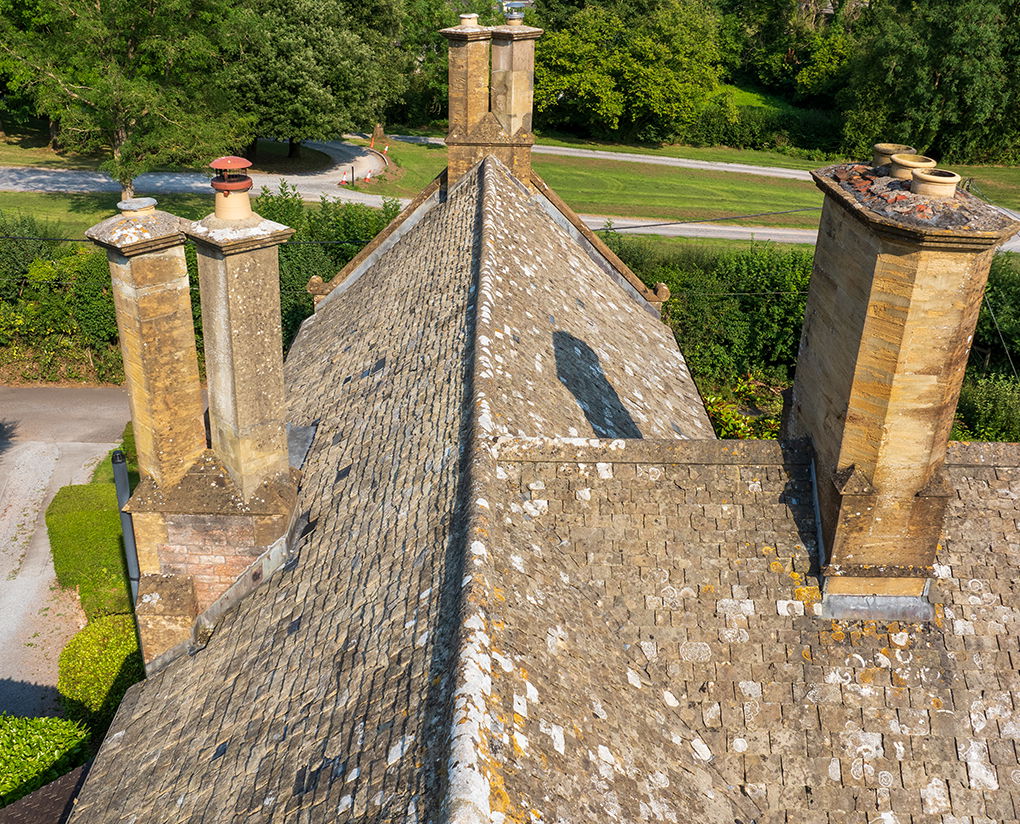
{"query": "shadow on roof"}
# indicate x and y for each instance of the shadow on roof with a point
(579, 369)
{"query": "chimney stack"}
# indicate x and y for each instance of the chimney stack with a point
(206, 521)
(238, 268)
(145, 249)
(894, 298)
(500, 124)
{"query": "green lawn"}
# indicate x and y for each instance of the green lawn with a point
(69, 215)
(622, 188)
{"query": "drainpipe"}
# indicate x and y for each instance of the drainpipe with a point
(120, 478)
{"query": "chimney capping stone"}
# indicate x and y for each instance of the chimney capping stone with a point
(467, 31)
(137, 231)
(234, 237)
(516, 32)
(996, 225)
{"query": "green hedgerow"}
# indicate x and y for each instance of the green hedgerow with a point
(96, 668)
(35, 751)
(989, 409)
(83, 522)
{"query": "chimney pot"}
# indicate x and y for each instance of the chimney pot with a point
(137, 206)
(231, 179)
(903, 164)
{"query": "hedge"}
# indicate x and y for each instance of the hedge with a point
(85, 540)
(96, 668)
(35, 751)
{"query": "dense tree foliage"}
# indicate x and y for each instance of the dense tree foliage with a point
(180, 80)
(940, 75)
(314, 69)
(132, 80)
(649, 76)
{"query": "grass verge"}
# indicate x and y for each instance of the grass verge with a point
(621, 188)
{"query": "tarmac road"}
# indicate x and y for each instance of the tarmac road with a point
(315, 184)
(49, 437)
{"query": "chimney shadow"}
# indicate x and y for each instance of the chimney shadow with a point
(22, 698)
(799, 496)
(8, 429)
(579, 369)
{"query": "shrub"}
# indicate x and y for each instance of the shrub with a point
(990, 408)
(17, 255)
(96, 668)
(733, 312)
(85, 540)
(35, 751)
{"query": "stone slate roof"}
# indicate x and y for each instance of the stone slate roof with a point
(526, 596)
(701, 557)
(326, 694)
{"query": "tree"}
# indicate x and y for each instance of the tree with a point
(314, 69)
(939, 75)
(648, 78)
(140, 82)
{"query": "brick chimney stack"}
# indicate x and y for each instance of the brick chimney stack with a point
(894, 298)
(145, 249)
(498, 124)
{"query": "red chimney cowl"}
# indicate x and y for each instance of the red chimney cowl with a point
(230, 178)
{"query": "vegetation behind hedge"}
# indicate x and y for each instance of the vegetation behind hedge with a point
(737, 316)
(57, 320)
(96, 668)
(85, 540)
(35, 751)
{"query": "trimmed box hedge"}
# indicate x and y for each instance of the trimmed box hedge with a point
(35, 751)
(83, 522)
(96, 668)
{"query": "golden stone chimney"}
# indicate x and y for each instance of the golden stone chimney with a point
(491, 118)
(209, 524)
(145, 249)
(894, 298)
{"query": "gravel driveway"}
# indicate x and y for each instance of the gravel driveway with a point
(49, 437)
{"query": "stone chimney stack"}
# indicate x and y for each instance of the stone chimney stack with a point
(499, 125)
(209, 524)
(513, 75)
(145, 249)
(894, 298)
(238, 266)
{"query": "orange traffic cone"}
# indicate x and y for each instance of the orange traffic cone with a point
(386, 149)
(343, 179)
(368, 176)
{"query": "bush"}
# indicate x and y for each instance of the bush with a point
(96, 668)
(734, 313)
(765, 127)
(17, 255)
(85, 540)
(1003, 298)
(35, 751)
(989, 408)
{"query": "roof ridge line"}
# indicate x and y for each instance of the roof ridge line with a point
(467, 796)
